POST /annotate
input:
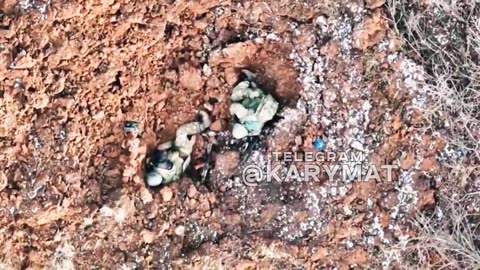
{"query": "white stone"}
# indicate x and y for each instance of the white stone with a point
(180, 231)
(207, 70)
(357, 146)
(239, 131)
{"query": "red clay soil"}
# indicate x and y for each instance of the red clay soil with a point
(72, 182)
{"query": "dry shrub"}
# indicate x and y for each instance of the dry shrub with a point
(445, 36)
(447, 240)
(63, 257)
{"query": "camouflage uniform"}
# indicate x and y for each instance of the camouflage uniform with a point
(252, 107)
(175, 157)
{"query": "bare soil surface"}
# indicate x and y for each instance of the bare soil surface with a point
(72, 182)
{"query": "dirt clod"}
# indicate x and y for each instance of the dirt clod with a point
(190, 77)
(167, 194)
(192, 191)
(218, 125)
(227, 162)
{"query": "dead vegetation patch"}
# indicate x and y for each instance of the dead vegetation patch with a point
(443, 37)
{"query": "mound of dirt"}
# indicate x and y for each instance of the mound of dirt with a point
(72, 181)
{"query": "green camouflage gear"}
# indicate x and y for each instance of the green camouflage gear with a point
(178, 152)
(253, 108)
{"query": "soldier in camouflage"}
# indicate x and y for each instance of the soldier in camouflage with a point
(172, 159)
(252, 107)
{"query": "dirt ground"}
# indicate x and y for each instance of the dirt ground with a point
(72, 185)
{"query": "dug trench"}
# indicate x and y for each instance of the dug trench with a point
(157, 64)
(276, 76)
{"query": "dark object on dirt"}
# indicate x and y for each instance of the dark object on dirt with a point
(156, 164)
(208, 157)
(131, 127)
(248, 147)
(18, 84)
(160, 159)
(245, 146)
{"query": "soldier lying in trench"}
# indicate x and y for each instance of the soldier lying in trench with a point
(168, 164)
(252, 107)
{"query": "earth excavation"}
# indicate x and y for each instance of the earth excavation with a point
(126, 128)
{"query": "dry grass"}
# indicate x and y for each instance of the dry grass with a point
(445, 35)
(6, 265)
(210, 263)
(63, 257)
(446, 241)
(267, 257)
